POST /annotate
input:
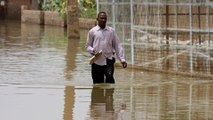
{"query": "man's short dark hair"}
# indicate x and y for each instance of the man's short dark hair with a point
(101, 13)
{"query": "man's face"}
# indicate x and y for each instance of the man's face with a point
(102, 19)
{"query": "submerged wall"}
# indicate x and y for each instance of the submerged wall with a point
(32, 16)
(51, 18)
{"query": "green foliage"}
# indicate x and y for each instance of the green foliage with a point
(88, 3)
(56, 5)
(88, 13)
(87, 8)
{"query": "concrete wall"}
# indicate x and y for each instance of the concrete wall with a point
(87, 23)
(32, 16)
(51, 18)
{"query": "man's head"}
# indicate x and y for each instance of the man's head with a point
(102, 19)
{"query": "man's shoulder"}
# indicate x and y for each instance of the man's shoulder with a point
(110, 28)
(94, 28)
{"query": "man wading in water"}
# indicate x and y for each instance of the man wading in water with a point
(103, 42)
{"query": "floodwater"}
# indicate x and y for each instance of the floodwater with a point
(45, 76)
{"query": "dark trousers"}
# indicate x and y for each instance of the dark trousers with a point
(103, 74)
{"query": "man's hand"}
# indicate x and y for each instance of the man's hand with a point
(124, 64)
(94, 52)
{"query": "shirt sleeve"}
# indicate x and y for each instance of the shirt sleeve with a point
(89, 42)
(118, 48)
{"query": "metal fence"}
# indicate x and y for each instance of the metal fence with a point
(168, 35)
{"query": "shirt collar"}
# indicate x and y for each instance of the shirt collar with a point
(106, 28)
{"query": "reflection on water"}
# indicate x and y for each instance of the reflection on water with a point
(166, 101)
(70, 62)
(68, 102)
(27, 102)
(45, 76)
(33, 54)
(102, 103)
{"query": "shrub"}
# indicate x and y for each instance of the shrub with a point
(86, 8)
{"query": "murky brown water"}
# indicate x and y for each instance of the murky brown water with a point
(44, 76)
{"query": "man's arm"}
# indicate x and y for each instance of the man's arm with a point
(119, 50)
(89, 43)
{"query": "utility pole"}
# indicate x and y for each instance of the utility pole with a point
(73, 31)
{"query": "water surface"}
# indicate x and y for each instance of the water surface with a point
(45, 76)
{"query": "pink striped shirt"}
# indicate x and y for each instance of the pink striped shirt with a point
(106, 40)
